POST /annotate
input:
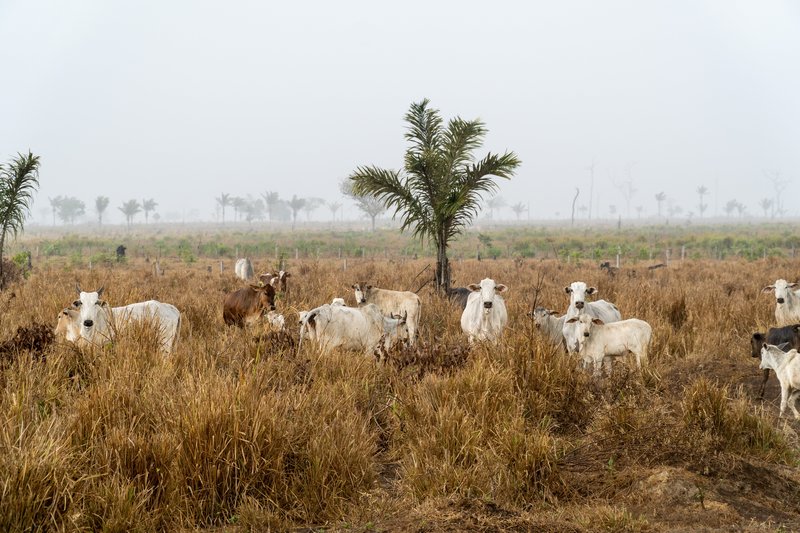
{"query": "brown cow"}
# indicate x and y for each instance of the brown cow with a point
(247, 306)
(279, 280)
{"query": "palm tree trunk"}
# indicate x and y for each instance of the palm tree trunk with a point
(442, 267)
(2, 245)
(373, 223)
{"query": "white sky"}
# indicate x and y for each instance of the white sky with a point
(183, 100)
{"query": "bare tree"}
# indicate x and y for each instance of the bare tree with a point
(778, 185)
(370, 205)
(575, 199)
(626, 187)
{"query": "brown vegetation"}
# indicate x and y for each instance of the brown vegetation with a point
(238, 430)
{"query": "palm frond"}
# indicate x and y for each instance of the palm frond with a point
(18, 181)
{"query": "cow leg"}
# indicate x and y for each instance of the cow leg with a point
(792, 401)
(784, 398)
(763, 384)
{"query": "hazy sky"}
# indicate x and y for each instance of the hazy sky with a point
(181, 101)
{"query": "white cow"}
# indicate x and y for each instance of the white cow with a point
(352, 328)
(98, 323)
(787, 302)
(485, 315)
(392, 303)
(605, 311)
(244, 269)
(598, 341)
(308, 333)
(787, 369)
(549, 323)
(279, 280)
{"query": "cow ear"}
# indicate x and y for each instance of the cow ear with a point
(768, 288)
(783, 346)
(597, 321)
(286, 275)
(500, 288)
(474, 287)
(571, 320)
(551, 312)
(591, 290)
(568, 289)
(369, 287)
(354, 286)
(792, 285)
(758, 336)
(100, 291)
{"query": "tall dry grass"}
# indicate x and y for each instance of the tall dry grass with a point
(238, 429)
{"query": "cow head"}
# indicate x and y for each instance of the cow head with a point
(283, 277)
(771, 355)
(266, 296)
(362, 291)
(92, 313)
(756, 343)
(577, 294)
(583, 329)
(487, 289)
(402, 327)
(540, 316)
(782, 289)
(68, 325)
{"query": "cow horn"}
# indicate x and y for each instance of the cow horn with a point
(100, 291)
(78, 287)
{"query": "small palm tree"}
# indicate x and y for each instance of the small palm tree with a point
(130, 209)
(100, 205)
(660, 197)
(55, 205)
(224, 200)
(334, 207)
(271, 201)
(147, 206)
(439, 191)
(520, 208)
(18, 180)
(702, 191)
(295, 204)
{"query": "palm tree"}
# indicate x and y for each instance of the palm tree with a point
(660, 197)
(495, 202)
(70, 208)
(440, 189)
(765, 204)
(223, 200)
(271, 201)
(100, 205)
(295, 204)
(147, 206)
(130, 209)
(367, 203)
(519, 209)
(702, 191)
(55, 203)
(18, 181)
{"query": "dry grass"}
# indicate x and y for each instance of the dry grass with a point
(239, 430)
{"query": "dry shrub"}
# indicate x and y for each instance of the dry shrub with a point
(716, 422)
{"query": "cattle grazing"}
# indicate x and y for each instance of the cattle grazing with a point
(68, 325)
(247, 306)
(787, 368)
(550, 324)
(459, 295)
(485, 315)
(98, 323)
(361, 328)
(605, 311)
(392, 303)
(244, 269)
(120, 253)
(787, 302)
(598, 342)
(309, 333)
(786, 335)
(275, 321)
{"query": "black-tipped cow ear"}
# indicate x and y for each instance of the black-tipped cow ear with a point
(591, 290)
(354, 286)
(500, 288)
(474, 287)
(572, 320)
(369, 287)
(76, 303)
(568, 289)
(768, 288)
(597, 321)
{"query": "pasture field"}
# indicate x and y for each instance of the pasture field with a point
(236, 431)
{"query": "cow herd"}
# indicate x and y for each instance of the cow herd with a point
(592, 330)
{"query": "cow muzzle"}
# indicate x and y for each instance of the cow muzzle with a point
(586, 334)
(363, 301)
(780, 300)
(88, 323)
(487, 305)
(579, 305)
